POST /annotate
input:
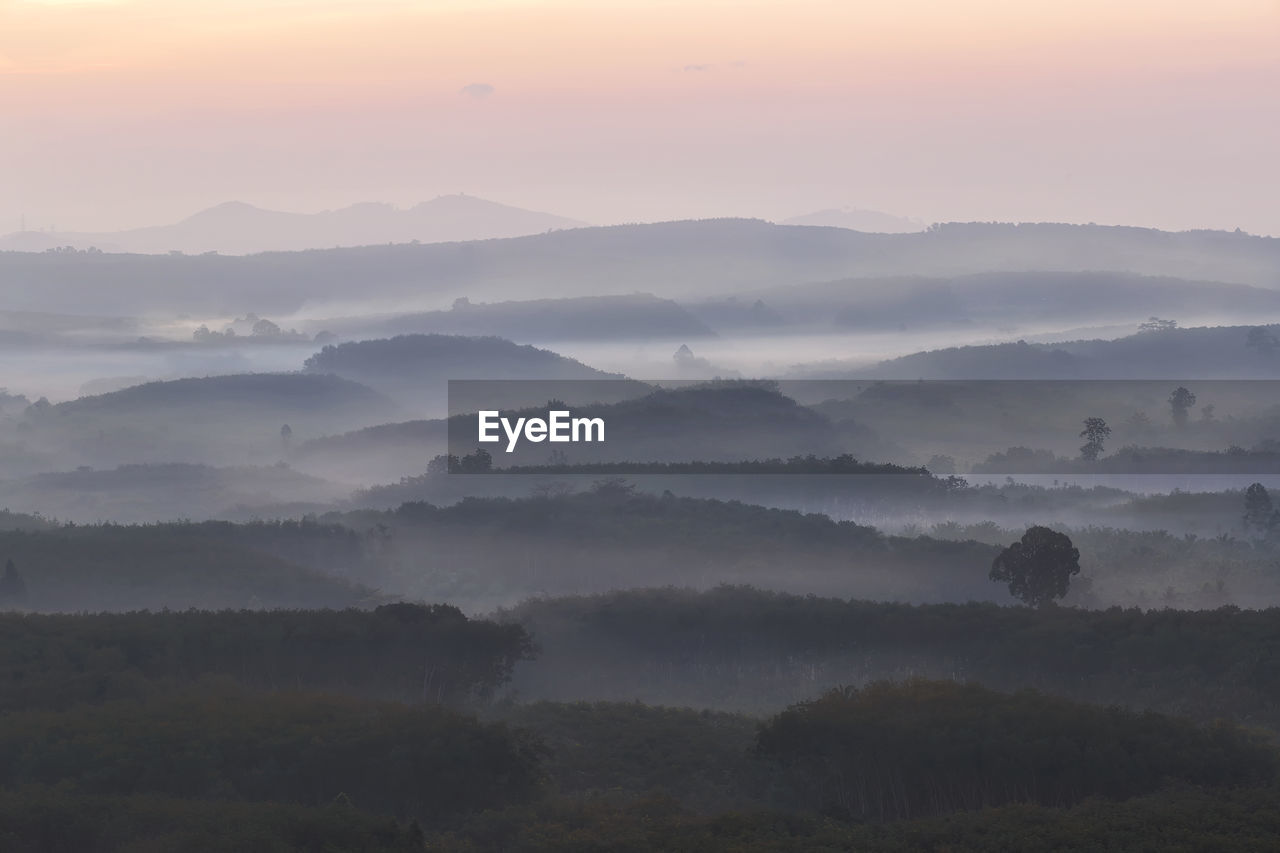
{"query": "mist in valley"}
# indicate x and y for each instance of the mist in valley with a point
(527, 428)
(804, 490)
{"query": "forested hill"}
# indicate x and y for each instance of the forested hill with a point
(745, 648)
(994, 301)
(443, 357)
(611, 537)
(416, 370)
(272, 394)
(217, 420)
(165, 492)
(111, 567)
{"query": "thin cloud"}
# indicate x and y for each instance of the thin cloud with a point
(697, 68)
(478, 91)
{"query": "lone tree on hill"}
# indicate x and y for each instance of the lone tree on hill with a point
(1180, 402)
(1258, 509)
(1095, 432)
(1038, 568)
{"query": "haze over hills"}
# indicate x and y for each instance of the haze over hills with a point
(1218, 352)
(236, 228)
(680, 260)
(631, 316)
(997, 300)
(149, 493)
(217, 420)
(702, 421)
(465, 527)
(416, 369)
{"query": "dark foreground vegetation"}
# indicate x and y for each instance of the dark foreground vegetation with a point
(397, 651)
(746, 649)
(394, 729)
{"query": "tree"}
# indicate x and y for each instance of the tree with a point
(12, 586)
(265, 329)
(941, 465)
(1094, 433)
(443, 464)
(1258, 509)
(1180, 402)
(1039, 567)
(286, 433)
(613, 488)
(1261, 341)
(476, 463)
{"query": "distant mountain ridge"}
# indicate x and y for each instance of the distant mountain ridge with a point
(237, 228)
(674, 260)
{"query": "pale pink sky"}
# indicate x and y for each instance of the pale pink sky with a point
(118, 113)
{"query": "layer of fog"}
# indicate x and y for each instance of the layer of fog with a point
(63, 371)
(60, 373)
(764, 356)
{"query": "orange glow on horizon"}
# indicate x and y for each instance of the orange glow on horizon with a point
(527, 94)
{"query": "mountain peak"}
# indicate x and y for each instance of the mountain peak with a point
(240, 228)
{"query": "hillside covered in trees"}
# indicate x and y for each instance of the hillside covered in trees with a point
(232, 728)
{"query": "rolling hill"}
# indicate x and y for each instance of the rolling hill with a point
(1217, 352)
(416, 369)
(993, 300)
(235, 419)
(682, 260)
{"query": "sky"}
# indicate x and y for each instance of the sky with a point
(122, 113)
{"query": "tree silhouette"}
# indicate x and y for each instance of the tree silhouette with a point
(1261, 341)
(443, 464)
(1180, 402)
(265, 329)
(1038, 568)
(12, 586)
(1094, 433)
(1258, 509)
(476, 463)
